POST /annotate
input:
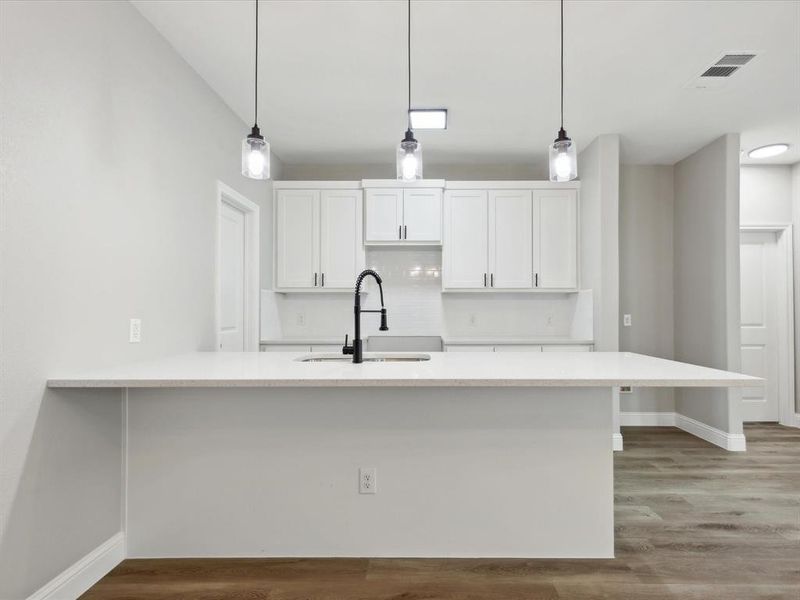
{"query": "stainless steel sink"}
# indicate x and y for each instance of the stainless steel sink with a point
(368, 357)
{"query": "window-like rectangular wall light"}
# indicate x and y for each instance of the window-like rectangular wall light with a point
(428, 118)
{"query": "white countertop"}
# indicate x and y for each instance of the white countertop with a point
(444, 369)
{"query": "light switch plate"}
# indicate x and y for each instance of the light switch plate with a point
(626, 320)
(135, 331)
(367, 483)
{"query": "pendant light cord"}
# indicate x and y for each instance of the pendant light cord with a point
(562, 64)
(408, 114)
(255, 101)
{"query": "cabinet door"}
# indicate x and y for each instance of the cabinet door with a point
(567, 348)
(296, 238)
(341, 248)
(285, 348)
(462, 348)
(465, 256)
(510, 234)
(422, 215)
(384, 215)
(518, 348)
(327, 348)
(555, 246)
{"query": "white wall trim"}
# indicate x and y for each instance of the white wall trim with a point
(647, 419)
(796, 422)
(226, 194)
(76, 579)
(734, 442)
(786, 349)
(616, 442)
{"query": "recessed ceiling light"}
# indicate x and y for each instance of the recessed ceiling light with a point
(768, 151)
(428, 118)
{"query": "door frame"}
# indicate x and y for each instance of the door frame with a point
(786, 349)
(252, 291)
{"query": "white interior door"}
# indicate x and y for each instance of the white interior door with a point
(341, 248)
(232, 279)
(297, 238)
(555, 243)
(510, 256)
(759, 334)
(422, 215)
(465, 256)
(384, 215)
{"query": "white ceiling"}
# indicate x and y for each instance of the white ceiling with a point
(333, 74)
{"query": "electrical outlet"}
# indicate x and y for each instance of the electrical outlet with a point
(625, 389)
(301, 319)
(473, 319)
(135, 331)
(626, 320)
(367, 483)
(549, 320)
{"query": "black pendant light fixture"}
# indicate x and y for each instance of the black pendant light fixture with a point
(255, 149)
(563, 152)
(409, 152)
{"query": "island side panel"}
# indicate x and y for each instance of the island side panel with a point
(461, 472)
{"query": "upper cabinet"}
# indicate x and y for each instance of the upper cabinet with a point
(318, 238)
(400, 216)
(510, 239)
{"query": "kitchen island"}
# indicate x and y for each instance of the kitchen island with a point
(475, 455)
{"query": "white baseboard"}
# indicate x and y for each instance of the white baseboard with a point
(733, 442)
(616, 442)
(647, 419)
(76, 579)
(796, 420)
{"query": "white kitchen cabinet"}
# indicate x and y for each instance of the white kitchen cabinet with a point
(465, 256)
(318, 239)
(518, 348)
(487, 240)
(400, 216)
(567, 348)
(285, 348)
(471, 348)
(510, 243)
(555, 239)
(328, 347)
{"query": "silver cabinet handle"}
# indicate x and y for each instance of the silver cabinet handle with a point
(323, 280)
(405, 232)
(315, 280)
(536, 284)
(491, 279)
(399, 232)
(484, 280)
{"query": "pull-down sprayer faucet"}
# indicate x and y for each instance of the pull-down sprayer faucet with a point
(356, 348)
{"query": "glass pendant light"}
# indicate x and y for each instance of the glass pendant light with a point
(563, 152)
(409, 152)
(255, 149)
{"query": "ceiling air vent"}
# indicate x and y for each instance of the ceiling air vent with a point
(719, 71)
(715, 76)
(736, 60)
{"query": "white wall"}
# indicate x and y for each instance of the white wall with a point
(706, 263)
(796, 246)
(766, 194)
(386, 170)
(598, 166)
(112, 147)
(646, 274)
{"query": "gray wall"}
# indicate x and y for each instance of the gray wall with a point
(796, 246)
(112, 147)
(646, 274)
(706, 263)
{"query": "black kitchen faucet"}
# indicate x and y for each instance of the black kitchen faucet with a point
(356, 348)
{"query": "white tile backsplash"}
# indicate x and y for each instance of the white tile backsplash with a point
(416, 306)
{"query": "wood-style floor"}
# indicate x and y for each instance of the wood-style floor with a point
(692, 522)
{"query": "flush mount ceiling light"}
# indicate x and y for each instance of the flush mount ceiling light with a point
(768, 151)
(409, 152)
(255, 149)
(428, 118)
(563, 152)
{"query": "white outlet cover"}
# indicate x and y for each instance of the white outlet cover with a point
(135, 331)
(367, 481)
(626, 320)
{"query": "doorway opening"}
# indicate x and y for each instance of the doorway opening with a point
(767, 322)
(237, 274)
